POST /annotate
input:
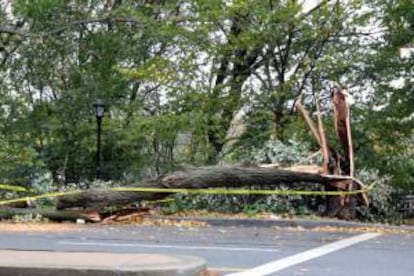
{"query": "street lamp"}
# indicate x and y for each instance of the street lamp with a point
(99, 108)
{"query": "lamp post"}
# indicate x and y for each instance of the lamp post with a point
(99, 108)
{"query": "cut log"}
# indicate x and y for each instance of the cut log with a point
(203, 177)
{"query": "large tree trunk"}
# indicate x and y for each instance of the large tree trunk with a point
(204, 177)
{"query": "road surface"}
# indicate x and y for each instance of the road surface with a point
(238, 250)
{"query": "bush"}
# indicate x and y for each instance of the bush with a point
(276, 152)
(384, 206)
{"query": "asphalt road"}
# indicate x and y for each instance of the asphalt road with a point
(276, 251)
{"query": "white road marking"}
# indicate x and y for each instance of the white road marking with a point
(272, 267)
(184, 247)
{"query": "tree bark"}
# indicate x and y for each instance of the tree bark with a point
(203, 177)
(335, 205)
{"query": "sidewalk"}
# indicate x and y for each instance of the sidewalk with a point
(42, 263)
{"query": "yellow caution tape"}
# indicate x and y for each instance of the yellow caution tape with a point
(217, 191)
(46, 195)
(13, 188)
(234, 191)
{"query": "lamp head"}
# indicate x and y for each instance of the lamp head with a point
(99, 108)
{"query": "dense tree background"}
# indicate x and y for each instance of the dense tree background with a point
(197, 82)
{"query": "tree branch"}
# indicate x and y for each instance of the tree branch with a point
(324, 148)
(310, 123)
(61, 29)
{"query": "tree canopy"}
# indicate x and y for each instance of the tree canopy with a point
(197, 82)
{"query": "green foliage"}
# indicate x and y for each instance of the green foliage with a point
(64, 68)
(175, 74)
(386, 122)
(29, 218)
(276, 152)
(383, 204)
(19, 165)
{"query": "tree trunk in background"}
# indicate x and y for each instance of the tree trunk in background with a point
(235, 68)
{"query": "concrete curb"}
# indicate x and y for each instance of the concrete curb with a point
(307, 224)
(45, 263)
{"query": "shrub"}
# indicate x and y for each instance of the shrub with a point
(384, 205)
(276, 152)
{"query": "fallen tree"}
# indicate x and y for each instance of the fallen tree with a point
(335, 174)
(204, 177)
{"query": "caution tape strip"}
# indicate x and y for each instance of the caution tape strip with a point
(36, 197)
(13, 188)
(235, 191)
(217, 191)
